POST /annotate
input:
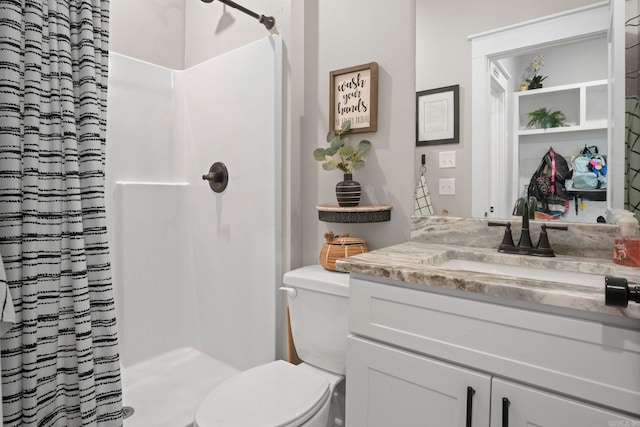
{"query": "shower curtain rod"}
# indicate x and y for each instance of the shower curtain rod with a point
(267, 21)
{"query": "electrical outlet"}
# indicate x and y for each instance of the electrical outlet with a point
(447, 159)
(447, 186)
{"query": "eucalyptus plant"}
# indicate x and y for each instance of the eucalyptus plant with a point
(340, 154)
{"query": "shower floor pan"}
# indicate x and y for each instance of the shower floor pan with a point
(165, 391)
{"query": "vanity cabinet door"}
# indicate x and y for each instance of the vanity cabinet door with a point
(387, 386)
(526, 406)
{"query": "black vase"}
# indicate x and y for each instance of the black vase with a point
(348, 192)
(535, 85)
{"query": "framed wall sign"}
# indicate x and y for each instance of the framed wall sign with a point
(353, 95)
(438, 116)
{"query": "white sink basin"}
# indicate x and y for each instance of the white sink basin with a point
(525, 272)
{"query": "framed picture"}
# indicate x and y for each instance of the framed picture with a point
(438, 116)
(353, 95)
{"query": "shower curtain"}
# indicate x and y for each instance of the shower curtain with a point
(632, 155)
(60, 362)
(632, 109)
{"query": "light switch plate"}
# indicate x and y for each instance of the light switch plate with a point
(447, 186)
(447, 159)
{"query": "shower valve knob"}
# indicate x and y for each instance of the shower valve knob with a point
(218, 177)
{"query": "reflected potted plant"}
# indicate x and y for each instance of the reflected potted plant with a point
(535, 82)
(546, 118)
(345, 157)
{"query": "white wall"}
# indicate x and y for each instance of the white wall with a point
(155, 296)
(213, 29)
(193, 267)
(235, 244)
(150, 30)
(142, 147)
(184, 33)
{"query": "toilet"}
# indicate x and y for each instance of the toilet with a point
(286, 395)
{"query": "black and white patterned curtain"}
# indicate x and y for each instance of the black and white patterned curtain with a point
(632, 107)
(60, 363)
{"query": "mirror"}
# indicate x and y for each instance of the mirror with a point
(503, 169)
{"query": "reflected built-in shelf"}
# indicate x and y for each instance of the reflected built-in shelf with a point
(584, 105)
(597, 125)
(357, 214)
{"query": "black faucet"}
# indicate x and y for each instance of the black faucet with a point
(525, 237)
(526, 208)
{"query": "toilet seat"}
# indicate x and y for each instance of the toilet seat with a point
(277, 394)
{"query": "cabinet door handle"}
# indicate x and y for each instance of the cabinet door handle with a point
(470, 393)
(505, 412)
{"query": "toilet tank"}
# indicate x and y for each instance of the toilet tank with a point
(319, 315)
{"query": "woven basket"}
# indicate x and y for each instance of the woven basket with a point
(340, 247)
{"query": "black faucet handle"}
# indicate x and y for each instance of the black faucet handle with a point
(507, 240)
(544, 248)
(532, 205)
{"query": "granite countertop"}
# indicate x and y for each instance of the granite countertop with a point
(416, 262)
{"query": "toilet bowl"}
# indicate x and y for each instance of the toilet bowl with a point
(274, 394)
(280, 393)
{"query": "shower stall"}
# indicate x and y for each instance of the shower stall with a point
(195, 271)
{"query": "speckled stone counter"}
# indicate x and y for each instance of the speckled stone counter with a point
(584, 248)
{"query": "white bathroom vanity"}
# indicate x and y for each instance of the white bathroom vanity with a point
(442, 347)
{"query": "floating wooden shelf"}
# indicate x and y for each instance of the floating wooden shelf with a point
(357, 214)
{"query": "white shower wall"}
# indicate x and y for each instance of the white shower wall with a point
(193, 267)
